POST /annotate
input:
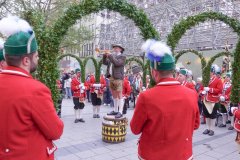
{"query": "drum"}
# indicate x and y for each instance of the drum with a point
(114, 129)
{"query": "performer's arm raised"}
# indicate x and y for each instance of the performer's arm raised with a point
(120, 61)
(106, 61)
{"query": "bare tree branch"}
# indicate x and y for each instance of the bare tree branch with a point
(23, 4)
(3, 3)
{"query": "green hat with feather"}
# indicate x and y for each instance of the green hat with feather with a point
(20, 36)
(159, 54)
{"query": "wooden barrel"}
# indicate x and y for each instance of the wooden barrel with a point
(114, 129)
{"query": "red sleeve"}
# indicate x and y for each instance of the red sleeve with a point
(218, 89)
(236, 113)
(74, 85)
(129, 89)
(190, 85)
(92, 80)
(228, 93)
(139, 117)
(200, 89)
(197, 120)
(44, 114)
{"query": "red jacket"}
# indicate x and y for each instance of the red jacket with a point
(236, 114)
(159, 116)
(215, 86)
(59, 85)
(87, 82)
(93, 81)
(28, 120)
(189, 85)
(76, 89)
(226, 92)
(126, 88)
(102, 81)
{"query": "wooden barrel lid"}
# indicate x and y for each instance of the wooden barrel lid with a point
(112, 118)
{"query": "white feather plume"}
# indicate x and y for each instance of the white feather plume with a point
(156, 48)
(1, 43)
(12, 24)
(159, 49)
(147, 44)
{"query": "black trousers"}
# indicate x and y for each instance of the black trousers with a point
(59, 106)
(95, 100)
(213, 115)
(126, 105)
(77, 104)
(88, 95)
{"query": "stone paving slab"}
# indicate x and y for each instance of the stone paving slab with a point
(83, 141)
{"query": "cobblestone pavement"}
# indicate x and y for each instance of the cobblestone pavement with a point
(83, 141)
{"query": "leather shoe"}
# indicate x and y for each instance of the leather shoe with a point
(81, 120)
(112, 113)
(97, 116)
(206, 131)
(230, 128)
(119, 115)
(76, 121)
(222, 125)
(211, 133)
(228, 122)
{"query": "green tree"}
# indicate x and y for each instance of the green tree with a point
(75, 36)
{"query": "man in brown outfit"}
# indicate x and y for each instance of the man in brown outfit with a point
(115, 70)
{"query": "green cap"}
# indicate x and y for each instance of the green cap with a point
(183, 71)
(1, 55)
(21, 43)
(77, 70)
(167, 63)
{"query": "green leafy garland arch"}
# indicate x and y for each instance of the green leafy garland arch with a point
(206, 66)
(139, 62)
(207, 69)
(49, 38)
(180, 29)
(79, 61)
(97, 69)
(203, 60)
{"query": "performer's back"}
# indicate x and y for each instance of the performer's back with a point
(166, 115)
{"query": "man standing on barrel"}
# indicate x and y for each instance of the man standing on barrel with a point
(115, 70)
(165, 134)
